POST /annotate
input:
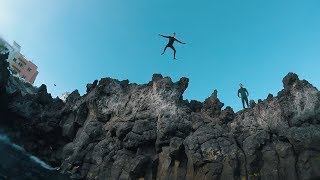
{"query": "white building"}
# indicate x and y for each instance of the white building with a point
(19, 64)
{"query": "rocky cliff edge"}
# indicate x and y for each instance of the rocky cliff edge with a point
(122, 130)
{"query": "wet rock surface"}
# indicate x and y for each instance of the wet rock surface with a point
(122, 130)
(16, 164)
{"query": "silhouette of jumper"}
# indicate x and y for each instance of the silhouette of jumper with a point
(172, 39)
(244, 95)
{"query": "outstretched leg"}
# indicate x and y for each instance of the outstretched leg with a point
(164, 50)
(174, 52)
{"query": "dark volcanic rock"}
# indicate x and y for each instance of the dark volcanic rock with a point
(4, 76)
(15, 163)
(120, 130)
(90, 87)
(212, 105)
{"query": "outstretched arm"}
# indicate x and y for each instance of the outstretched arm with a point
(163, 36)
(179, 41)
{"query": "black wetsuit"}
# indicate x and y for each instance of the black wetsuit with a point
(244, 96)
(170, 44)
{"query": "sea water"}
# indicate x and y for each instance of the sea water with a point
(5, 139)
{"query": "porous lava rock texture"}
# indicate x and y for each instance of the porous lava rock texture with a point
(122, 130)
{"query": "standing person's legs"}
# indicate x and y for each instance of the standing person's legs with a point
(246, 99)
(242, 99)
(174, 52)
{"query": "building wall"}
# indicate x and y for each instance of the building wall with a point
(25, 68)
(19, 64)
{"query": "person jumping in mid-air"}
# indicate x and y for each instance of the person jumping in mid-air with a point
(172, 39)
(244, 95)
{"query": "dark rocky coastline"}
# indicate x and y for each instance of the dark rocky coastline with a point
(119, 130)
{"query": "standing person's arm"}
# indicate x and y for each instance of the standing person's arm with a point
(247, 92)
(179, 41)
(238, 93)
(163, 36)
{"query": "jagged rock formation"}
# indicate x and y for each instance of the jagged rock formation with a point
(120, 130)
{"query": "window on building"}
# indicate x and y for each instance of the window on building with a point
(15, 70)
(20, 64)
(23, 77)
(14, 60)
(29, 69)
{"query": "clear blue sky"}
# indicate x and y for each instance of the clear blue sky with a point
(74, 42)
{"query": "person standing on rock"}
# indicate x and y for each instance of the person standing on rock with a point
(243, 94)
(172, 39)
